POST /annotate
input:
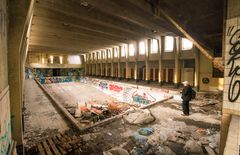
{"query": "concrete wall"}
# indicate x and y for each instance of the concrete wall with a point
(206, 72)
(231, 99)
(5, 123)
(34, 60)
(165, 60)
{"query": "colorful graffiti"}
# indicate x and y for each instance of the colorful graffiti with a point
(114, 87)
(138, 96)
(49, 80)
(142, 98)
(103, 85)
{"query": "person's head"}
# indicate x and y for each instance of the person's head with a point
(185, 83)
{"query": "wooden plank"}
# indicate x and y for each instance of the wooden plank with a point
(64, 142)
(61, 139)
(40, 149)
(55, 150)
(66, 137)
(45, 145)
(56, 141)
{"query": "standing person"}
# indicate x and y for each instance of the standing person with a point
(186, 97)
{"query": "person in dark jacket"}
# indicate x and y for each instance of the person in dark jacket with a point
(186, 97)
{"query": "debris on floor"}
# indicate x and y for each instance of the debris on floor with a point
(139, 117)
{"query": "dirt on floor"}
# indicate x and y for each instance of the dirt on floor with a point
(170, 132)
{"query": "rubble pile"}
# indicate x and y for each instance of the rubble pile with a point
(210, 98)
(94, 111)
(171, 141)
(139, 117)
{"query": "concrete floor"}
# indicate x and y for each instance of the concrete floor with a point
(70, 93)
(171, 129)
(40, 116)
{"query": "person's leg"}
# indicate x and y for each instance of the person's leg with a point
(187, 107)
(184, 107)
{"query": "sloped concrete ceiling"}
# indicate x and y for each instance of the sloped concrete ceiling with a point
(203, 19)
(84, 25)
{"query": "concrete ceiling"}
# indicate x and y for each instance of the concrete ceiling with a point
(80, 26)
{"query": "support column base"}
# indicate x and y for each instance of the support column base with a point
(147, 81)
(176, 85)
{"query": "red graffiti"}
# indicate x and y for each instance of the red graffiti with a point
(116, 88)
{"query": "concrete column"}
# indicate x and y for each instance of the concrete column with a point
(119, 62)
(128, 73)
(97, 69)
(101, 65)
(136, 71)
(112, 64)
(231, 98)
(148, 51)
(160, 48)
(20, 13)
(154, 73)
(167, 75)
(197, 67)
(136, 63)
(176, 65)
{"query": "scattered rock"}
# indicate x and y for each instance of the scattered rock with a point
(193, 148)
(164, 150)
(116, 151)
(139, 117)
(214, 140)
(86, 137)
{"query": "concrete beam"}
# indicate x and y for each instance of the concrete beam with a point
(20, 13)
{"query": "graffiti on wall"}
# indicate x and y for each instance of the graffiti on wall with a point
(127, 93)
(114, 87)
(233, 63)
(103, 85)
(142, 97)
(49, 80)
(5, 139)
(5, 122)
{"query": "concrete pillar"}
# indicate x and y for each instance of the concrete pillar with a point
(136, 71)
(148, 51)
(128, 74)
(167, 75)
(97, 69)
(197, 67)
(101, 63)
(154, 74)
(20, 14)
(112, 64)
(176, 64)
(119, 62)
(160, 48)
(231, 98)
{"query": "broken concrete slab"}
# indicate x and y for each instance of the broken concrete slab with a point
(139, 117)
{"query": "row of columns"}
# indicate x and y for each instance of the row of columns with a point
(96, 67)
